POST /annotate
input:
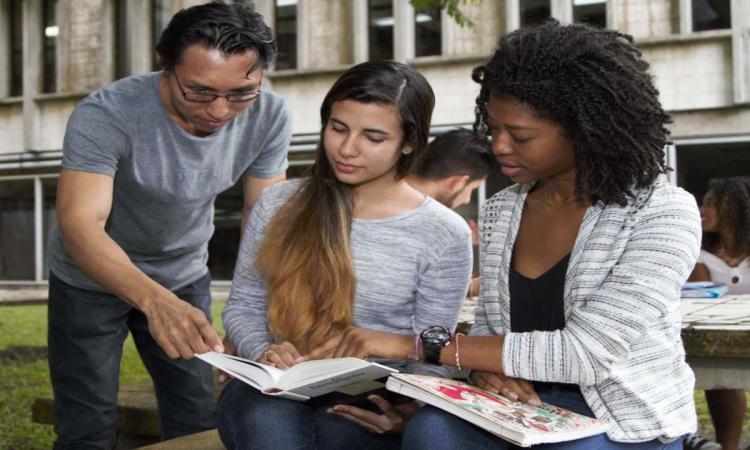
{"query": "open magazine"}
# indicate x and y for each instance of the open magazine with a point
(517, 422)
(305, 380)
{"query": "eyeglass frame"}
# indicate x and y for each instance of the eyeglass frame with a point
(228, 97)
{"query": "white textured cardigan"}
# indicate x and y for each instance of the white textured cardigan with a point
(621, 342)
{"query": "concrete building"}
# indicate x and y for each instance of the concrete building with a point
(54, 52)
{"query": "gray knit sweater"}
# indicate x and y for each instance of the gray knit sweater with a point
(412, 272)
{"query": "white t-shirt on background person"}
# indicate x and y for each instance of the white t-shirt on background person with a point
(737, 278)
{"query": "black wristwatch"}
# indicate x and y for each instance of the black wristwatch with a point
(434, 339)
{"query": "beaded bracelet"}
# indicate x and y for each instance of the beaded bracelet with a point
(415, 356)
(458, 359)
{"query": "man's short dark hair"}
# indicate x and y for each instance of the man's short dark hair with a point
(230, 28)
(456, 152)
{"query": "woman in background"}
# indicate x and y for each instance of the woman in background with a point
(725, 258)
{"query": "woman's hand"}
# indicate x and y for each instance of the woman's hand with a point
(364, 343)
(229, 349)
(282, 356)
(392, 420)
(515, 389)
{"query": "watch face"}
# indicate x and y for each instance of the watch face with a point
(436, 335)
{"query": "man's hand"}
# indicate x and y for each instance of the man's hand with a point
(181, 329)
(515, 389)
(392, 420)
(364, 343)
(282, 356)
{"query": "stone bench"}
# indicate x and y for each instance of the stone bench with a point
(138, 422)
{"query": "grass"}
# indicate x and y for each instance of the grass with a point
(22, 382)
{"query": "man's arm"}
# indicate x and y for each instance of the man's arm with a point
(84, 202)
(251, 189)
(700, 273)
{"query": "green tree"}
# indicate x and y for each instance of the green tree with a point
(451, 7)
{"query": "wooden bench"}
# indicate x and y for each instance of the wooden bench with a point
(207, 440)
(138, 422)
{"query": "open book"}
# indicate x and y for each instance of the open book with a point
(308, 379)
(517, 422)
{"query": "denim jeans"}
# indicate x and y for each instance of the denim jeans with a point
(248, 419)
(434, 429)
(86, 330)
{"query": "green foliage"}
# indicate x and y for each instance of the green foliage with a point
(23, 381)
(451, 7)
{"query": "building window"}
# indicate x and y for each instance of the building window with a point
(223, 246)
(51, 31)
(592, 12)
(160, 16)
(380, 29)
(49, 215)
(427, 36)
(697, 164)
(121, 39)
(534, 12)
(17, 230)
(711, 14)
(286, 34)
(16, 48)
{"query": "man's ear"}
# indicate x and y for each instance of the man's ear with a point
(158, 59)
(456, 182)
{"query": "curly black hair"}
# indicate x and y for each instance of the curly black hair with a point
(596, 86)
(731, 196)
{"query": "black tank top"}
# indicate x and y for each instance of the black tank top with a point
(536, 304)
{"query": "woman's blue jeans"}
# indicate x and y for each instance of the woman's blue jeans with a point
(434, 429)
(248, 419)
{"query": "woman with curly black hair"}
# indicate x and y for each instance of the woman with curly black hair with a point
(725, 258)
(582, 260)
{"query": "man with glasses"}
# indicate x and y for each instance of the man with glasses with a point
(143, 161)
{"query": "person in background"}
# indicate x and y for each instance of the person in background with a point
(143, 161)
(351, 246)
(725, 258)
(582, 260)
(454, 165)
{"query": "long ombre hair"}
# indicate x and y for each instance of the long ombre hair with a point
(306, 256)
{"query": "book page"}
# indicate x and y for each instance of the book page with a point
(263, 376)
(343, 375)
(310, 371)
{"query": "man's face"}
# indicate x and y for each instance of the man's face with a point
(207, 71)
(458, 191)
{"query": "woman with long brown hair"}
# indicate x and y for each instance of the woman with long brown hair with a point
(350, 246)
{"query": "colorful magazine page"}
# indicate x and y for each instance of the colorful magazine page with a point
(516, 422)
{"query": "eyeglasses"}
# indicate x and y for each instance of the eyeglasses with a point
(208, 97)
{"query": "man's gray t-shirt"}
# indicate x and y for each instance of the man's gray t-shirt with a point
(165, 179)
